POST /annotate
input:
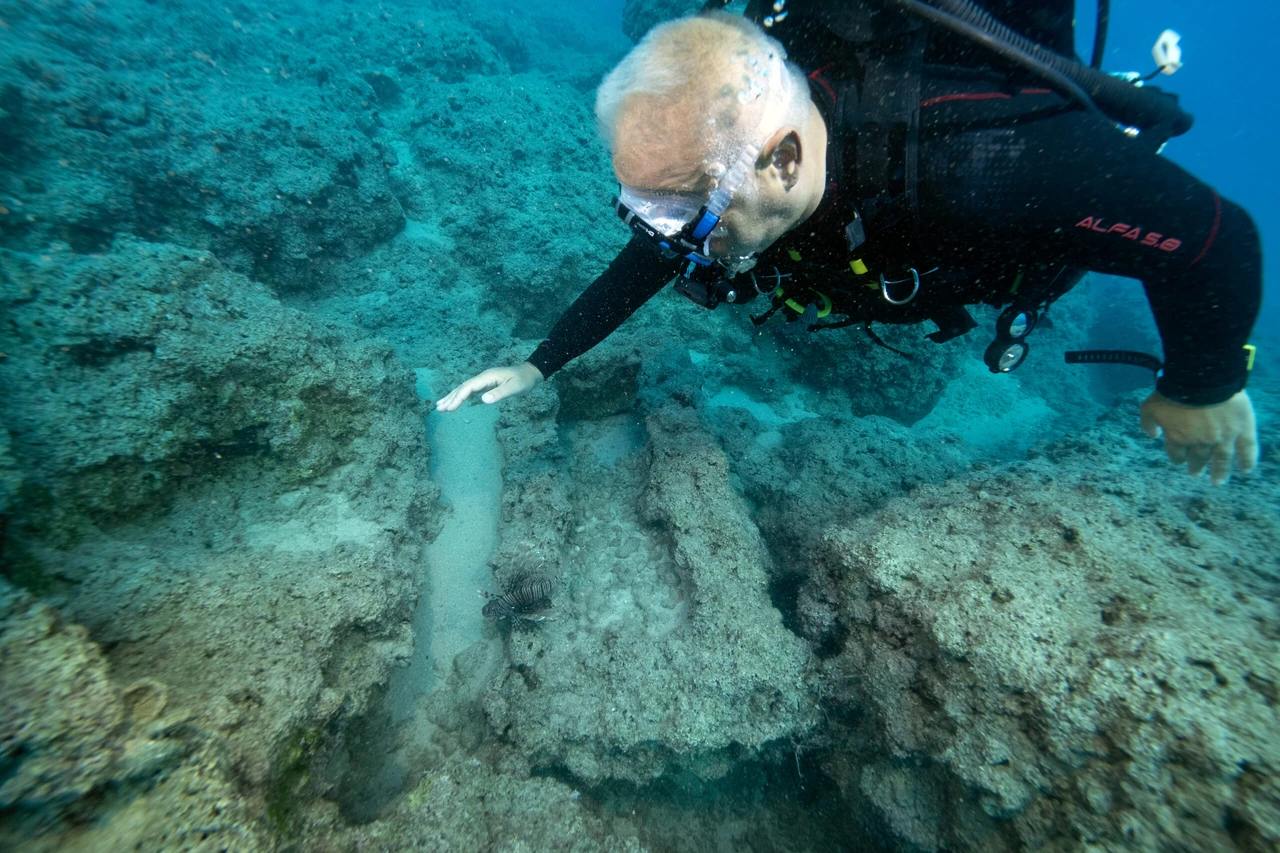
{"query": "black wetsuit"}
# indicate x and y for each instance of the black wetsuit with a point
(1014, 185)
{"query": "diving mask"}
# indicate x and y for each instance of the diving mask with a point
(680, 224)
(666, 212)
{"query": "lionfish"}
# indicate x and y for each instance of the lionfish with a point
(526, 595)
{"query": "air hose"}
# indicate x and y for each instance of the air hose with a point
(1114, 356)
(1143, 108)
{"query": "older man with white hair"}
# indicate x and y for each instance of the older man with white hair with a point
(922, 188)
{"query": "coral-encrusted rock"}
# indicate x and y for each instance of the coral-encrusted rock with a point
(667, 653)
(91, 766)
(59, 713)
(466, 807)
(134, 372)
(209, 131)
(640, 16)
(1056, 655)
(10, 476)
(230, 496)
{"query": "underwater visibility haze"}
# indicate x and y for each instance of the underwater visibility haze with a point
(714, 584)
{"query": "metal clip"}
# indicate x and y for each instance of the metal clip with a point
(777, 276)
(915, 288)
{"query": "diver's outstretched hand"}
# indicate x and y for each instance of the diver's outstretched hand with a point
(1205, 436)
(497, 383)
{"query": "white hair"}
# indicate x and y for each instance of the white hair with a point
(698, 77)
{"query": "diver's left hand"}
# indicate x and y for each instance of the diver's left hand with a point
(1212, 436)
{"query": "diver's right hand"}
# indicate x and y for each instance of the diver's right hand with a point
(498, 383)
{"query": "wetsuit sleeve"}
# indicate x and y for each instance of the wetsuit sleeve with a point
(634, 276)
(1074, 189)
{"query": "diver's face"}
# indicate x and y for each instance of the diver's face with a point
(769, 204)
(753, 222)
(781, 191)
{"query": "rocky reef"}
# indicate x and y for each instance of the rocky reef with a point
(219, 500)
(78, 744)
(809, 594)
(1059, 652)
(639, 16)
(226, 495)
(150, 366)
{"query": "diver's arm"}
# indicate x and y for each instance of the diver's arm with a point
(1205, 308)
(1199, 257)
(1072, 189)
(635, 275)
(1201, 268)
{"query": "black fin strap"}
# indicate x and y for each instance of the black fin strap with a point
(871, 334)
(761, 319)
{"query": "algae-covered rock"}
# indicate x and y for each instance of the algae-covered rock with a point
(640, 16)
(210, 131)
(59, 712)
(89, 765)
(1057, 654)
(10, 476)
(464, 806)
(228, 495)
(666, 653)
(595, 388)
(132, 373)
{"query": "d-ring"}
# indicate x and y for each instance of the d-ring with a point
(777, 276)
(915, 288)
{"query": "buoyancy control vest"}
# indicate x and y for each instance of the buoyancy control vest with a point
(1033, 37)
(863, 262)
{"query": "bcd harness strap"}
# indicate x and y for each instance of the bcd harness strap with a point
(882, 152)
(886, 143)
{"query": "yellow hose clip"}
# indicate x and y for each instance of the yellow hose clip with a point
(799, 309)
(1252, 350)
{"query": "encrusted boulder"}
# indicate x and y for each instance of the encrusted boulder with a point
(130, 374)
(122, 764)
(1066, 653)
(666, 654)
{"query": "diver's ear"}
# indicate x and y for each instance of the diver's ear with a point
(783, 153)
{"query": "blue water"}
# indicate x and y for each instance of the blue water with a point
(713, 587)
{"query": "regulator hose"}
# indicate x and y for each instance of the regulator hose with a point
(1097, 91)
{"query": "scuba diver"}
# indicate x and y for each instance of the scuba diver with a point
(893, 161)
